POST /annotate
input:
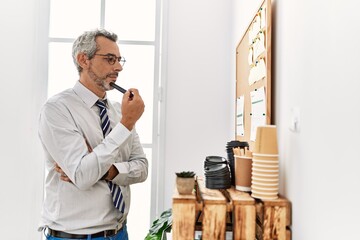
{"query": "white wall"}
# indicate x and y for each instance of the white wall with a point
(315, 66)
(23, 91)
(199, 94)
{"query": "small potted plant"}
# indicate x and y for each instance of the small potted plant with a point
(185, 182)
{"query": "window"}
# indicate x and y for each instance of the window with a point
(137, 24)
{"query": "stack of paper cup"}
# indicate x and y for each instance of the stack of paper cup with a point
(265, 166)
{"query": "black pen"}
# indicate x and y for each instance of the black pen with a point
(120, 89)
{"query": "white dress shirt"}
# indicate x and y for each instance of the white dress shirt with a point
(67, 121)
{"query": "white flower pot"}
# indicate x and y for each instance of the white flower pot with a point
(185, 185)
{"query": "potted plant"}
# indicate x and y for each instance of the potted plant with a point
(185, 182)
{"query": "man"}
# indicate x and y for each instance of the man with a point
(92, 150)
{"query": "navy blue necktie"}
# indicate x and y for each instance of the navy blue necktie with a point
(115, 190)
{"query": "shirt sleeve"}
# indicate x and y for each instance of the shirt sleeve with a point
(67, 147)
(132, 163)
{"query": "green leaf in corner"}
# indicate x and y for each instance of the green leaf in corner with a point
(163, 223)
(152, 237)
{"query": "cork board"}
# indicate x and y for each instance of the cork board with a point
(253, 76)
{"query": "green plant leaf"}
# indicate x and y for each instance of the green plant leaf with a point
(163, 223)
(152, 237)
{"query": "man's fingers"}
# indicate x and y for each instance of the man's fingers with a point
(65, 178)
(58, 169)
(63, 175)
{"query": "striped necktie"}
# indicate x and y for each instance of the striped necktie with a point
(115, 190)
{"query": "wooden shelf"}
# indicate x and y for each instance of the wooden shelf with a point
(216, 211)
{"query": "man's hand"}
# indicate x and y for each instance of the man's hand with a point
(131, 108)
(63, 176)
(112, 173)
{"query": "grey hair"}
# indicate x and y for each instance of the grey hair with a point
(86, 43)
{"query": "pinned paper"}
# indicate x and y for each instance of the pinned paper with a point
(261, 69)
(259, 45)
(258, 111)
(262, 17)
(253, 74)
(252, 35)
(240, 116)
(257, 24)
(250, 57)
(254, 29)
(257, 71)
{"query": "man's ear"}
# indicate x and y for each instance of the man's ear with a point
(83, 60)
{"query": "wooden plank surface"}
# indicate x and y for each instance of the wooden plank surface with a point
(280, 202)
(181, 198)
(214, 221)
(183, 226)
(274, 225)
(214, 212)
(244, 214)
(244, 222)
(273, 218)
(212, 196)
(288, 234)
(240, 198)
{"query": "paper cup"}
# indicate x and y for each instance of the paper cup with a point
(264, 180)
(266, 157)
(266, 162)
(243, 168)
(265, 176)
(266, 140)
(274, 165)
(265, 184)
(264, 193)
(266, 170)
(264, 189)
(264, 196)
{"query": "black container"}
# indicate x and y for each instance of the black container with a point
(217, 172)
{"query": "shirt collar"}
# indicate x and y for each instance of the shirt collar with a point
(87, 96)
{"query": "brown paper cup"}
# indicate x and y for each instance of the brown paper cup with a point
(268, 166)
(262, 196)
(264, 189)
(268, 157)
(265, 176)
(266, 140)
(243, 168)
(266, 170)
(264, 180)
(265, 184)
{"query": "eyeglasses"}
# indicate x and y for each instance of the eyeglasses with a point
(111, 58)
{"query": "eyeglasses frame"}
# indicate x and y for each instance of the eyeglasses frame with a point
(111, 58)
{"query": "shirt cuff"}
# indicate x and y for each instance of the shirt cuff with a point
(123, 170)
(119, 134)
